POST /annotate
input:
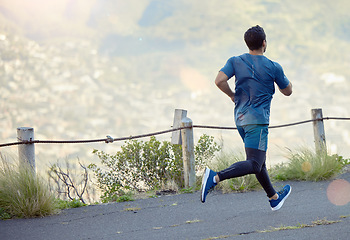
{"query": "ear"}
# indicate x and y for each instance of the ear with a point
(264, 46)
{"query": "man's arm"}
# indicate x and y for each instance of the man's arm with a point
(221, 82)
(287, 91)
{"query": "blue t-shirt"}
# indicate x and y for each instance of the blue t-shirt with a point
(254, 86)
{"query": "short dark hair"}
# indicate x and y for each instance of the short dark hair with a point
(254, 37)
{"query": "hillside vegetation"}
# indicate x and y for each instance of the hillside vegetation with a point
(77, 69)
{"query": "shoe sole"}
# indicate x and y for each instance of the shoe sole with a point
(204, 183)
(281, 203)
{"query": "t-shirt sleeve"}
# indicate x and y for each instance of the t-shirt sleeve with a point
(280, 79)
(229, 68)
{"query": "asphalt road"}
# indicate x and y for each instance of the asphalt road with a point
(307, 214)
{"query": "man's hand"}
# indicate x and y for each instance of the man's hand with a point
(221, 82)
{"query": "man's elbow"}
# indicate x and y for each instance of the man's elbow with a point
(287, 91)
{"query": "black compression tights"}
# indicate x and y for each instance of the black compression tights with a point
(255, 164)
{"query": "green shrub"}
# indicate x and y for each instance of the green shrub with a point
(344, 161)
(4, 215)
(240, 184)
(125, 198)
(205, 150)
(306, 165)
(23, 193)
(64, 204)
(138, 166)
(144, 166)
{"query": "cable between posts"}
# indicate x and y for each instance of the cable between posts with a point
(109, 139)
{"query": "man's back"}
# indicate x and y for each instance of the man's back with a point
(255, 77)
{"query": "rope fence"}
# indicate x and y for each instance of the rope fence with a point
(182, 133)
(109, 139)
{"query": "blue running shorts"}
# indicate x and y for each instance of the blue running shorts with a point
(254, 136)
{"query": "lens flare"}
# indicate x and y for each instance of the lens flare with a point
(306, 166)
(338, 192)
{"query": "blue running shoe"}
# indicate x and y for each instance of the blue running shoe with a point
(207, 183)
(282, 196)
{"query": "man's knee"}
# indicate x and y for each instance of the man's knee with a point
(256, 167)
(257, 159)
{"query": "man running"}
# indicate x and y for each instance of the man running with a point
(255, 76)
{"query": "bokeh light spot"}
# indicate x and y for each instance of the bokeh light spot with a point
(338, 192)
(306, 166)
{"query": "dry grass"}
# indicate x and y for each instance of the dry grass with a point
(306, 165)
(23, 193)
(240, 184)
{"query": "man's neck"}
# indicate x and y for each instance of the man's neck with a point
(256, 52)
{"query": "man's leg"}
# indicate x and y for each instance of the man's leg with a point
(255, 141)
(264, 180)
(255, 164)
(261, 174)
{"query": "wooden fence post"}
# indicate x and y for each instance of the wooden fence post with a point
(319, 133)
(188, 153)
(26, 152)
(178, 116)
